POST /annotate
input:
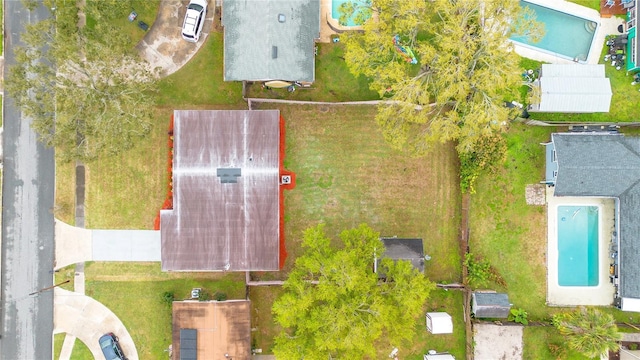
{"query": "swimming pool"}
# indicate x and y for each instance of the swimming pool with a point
(566, 36)
(578, 245)
(335, 12)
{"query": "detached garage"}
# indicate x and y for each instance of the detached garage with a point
(571, 89)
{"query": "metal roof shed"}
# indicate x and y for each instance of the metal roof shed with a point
(439, 323)
(402, 249)
(572, 89)
(490, 305)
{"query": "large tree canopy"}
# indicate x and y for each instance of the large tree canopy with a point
(87, 93)
(465, 67)
(334, 306)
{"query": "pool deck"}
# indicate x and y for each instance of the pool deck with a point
(579, 295)
(608, 26)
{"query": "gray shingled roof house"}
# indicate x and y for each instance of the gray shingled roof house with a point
(270, 39)
(401, 249)
(226, 192)
(572, 88)
(604, 165)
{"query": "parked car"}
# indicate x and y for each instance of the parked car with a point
(194, 20)
(111, 348)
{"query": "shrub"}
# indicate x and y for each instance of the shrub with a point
(519, 316)
(168, 297)
(219, 296)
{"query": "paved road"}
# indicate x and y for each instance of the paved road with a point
(27, 221)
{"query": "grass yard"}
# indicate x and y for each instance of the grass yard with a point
(506, 231)
(146, 10)
(347, 175)
(126, 192)
(262, 298)
(80, 350)
(593, 4)
(134, 293)
(200, 81)
(452, 303)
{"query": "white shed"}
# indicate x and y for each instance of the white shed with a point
(572, 88)
(439, 323)
(438, 357)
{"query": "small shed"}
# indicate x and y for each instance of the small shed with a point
(572, 88)
(401, 249)
(490, 305)
(439, 357)
(439, 323)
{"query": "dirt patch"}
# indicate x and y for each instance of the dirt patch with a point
(497, 342)
(535, 194)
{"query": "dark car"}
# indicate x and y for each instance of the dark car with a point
(110, 347)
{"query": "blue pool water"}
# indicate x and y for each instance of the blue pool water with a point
(335, 13)
(565, 35)
(578, 245)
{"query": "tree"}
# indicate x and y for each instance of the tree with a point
(335, 306)
(87, 93)
(466, 67)
(588, 331)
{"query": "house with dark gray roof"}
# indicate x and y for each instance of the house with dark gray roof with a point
(270, 39)
(411, 250)
(605, 165)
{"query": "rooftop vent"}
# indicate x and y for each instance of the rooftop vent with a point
(281, 18)
(228, 175)
(274, 52)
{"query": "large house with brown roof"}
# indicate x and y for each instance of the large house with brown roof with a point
(227, 182)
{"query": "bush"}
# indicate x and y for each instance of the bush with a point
(488, 152)
(480, 272)
(168, 297)
(519, 316)
(220, 296)
(204, 295)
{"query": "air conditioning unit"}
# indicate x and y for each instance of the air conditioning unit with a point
(285, 179)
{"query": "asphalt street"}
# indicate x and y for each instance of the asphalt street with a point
(27, 220)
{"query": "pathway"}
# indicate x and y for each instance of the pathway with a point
(87, 319)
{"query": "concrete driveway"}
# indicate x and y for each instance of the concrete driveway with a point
(163, 46)
(87, 319)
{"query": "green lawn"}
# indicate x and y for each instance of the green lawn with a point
(347, 175)
(452, 303)
(146, 10)
(506, 231)
(134, 293)
(200, 82)
(80, 350)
